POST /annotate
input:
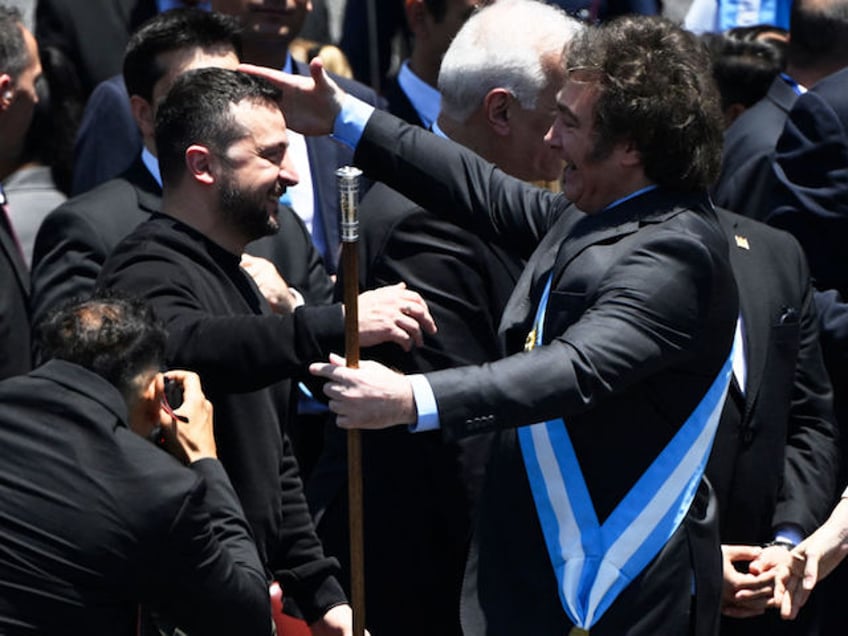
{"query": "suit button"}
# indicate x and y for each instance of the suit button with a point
(747, 436)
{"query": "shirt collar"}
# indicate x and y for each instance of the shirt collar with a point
(424, 98)
(152, 164)
(167, 5)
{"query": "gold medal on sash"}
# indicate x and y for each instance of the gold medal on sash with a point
(578, 631)
(530, 343)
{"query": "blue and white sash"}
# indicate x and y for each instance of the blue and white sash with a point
(593, 563)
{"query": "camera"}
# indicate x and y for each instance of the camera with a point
(173, 393)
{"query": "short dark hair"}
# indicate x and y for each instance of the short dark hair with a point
(173, 31)
(818, 33)
(197, 110)
(742, 68)
(655, 91)
(117, 337)
(14, 56)
(437, 8)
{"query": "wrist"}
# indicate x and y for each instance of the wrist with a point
(780, 542)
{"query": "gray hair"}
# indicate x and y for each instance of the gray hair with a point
(504, 45)
(14, 56)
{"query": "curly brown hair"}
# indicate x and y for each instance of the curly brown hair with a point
(656, 92)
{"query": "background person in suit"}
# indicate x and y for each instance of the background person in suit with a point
(498, 101)
(411, 93)
(638, 321)
(817, 47)
(775, 459)
(19, 70)
(95, 518)
(222, 148)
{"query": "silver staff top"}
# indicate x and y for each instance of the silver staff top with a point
(347, 178)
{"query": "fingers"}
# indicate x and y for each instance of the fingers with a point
(741, 552)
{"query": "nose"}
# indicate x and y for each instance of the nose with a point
(288, 173)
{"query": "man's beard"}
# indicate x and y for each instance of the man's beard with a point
(246, 211)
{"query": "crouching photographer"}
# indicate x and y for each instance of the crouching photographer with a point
(95, 520)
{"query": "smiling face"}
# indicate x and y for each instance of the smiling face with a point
(591, 178)
(255, 171)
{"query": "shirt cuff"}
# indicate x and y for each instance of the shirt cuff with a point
(299, 300)
(351, 121)
(425, 402)
(789, 532)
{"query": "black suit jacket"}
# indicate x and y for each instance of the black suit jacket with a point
(75, 239)
(95, 519)
(746, 179)
(429, 500)
(92, 33)
(775, 457)
(640, 319)
(14, 305)
(810, 198)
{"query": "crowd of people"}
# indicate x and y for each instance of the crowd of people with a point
(601, 310)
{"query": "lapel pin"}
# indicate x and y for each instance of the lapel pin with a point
(742, 242)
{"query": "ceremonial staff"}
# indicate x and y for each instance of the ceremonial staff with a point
(348, 183)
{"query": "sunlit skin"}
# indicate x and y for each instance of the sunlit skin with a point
(259, 168)
(589, 181)
(531, 157)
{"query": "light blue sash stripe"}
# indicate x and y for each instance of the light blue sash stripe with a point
(594, 563)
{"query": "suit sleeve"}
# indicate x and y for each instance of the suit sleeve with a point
(648, 310)
(213, 581)
(304, 572)
(66, 260)
(812, 451)
(810, 198)
(452, 181)
(252, 351)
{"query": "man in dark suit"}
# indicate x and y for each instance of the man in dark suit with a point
(466, 280)
(95, 518)
(775, 459)
(412, 93)
(19, 70)
(626, 309)
(222, 148)
(817, 47)
(75, 239)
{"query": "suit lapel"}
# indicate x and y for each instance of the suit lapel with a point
(654, 206)
(755, 317)
(13, 255)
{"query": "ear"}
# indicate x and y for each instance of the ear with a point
(7, 91)
(496, 107)
(629, 154)
(145, 412)
(142, 112)
(199, 162)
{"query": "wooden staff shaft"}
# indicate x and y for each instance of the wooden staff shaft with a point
(350, 262)
(348, 182)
